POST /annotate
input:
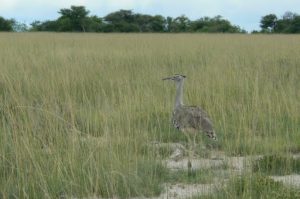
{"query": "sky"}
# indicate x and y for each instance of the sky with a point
(245, 13)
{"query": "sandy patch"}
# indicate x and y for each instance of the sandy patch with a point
(177, 191)
(182, 191)
(296, 156)
(186, 191)
(196, 164)
(237, 164)
(289, 180)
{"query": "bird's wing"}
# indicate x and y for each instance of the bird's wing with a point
(198, 118)
(193, 118)
(196, 111)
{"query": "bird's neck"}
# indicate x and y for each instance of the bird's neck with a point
(179, 94)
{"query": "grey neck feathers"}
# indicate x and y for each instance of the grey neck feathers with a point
(179, 94)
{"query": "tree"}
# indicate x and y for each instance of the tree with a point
(179, 24)
(75, 18)
(45, 26)
(121, 21)
(289, 16)
(158, 23)
(19, 27)
(289, 23)
(268, 22)
(296, 25)
(169, 24)
(65, 24)
(144, 22)
(148, 23)
(94, 24)
(120, 16)
(36, 26)
(6, 25)
(214, 25)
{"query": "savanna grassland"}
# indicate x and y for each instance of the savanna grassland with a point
(78, 111)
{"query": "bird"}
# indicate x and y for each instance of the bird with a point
(189, 119)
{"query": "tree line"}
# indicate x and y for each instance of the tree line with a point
(77, 19)
(289, 23)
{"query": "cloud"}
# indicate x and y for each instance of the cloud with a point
(7, 4)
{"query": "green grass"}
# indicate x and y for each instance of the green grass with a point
(78, 110)
(254, 186)
(277, 165)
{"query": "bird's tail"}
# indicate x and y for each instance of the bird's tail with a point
(211, 134)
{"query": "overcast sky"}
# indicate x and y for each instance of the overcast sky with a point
(245, 13)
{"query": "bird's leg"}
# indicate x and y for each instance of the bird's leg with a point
(189, 168)
(194, 142)
(189, 148)
(189, 156)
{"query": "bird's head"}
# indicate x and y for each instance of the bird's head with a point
(176, 78)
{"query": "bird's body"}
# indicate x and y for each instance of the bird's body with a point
(192, 119)
(189, 119)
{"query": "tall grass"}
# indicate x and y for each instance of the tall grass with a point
(78, 110)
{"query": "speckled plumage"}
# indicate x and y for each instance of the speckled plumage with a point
(192, 119)
(189, 119)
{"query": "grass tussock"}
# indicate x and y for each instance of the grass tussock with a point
(277, 165)
(77, 110)
(254, 186)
